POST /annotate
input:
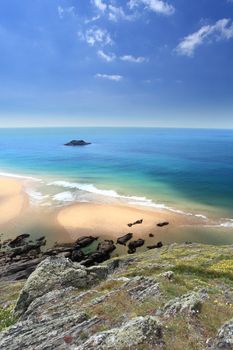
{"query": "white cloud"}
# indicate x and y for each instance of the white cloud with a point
(100, 5)
(96, 36)
(112, 12)
(106, 57)
(117, 13)
(92, 19)
(221, 30)
(114, 77)
(159, 6)
(62, 11)
(130, 58)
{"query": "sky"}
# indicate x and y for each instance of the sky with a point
(162, 63)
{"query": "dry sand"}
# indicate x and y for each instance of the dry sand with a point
(13, 200)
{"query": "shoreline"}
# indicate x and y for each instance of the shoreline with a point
(30, 209)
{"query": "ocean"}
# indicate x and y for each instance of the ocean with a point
(189, 171)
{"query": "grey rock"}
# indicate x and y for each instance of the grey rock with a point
(131, 335)
(141, 288)
(190, 303)
(49, 333)
(168, 275)
(224, 339)
(57, 273)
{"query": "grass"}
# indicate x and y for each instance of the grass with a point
(6, 317)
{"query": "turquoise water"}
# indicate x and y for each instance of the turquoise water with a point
(183, 169)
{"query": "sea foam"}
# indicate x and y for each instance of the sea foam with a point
(133, 200)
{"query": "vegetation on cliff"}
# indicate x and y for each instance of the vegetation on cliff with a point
(178, 297)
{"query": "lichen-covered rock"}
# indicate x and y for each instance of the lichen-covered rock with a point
(139, 331)
(47, 334)
(141, 288)
(224, 339)
(167, 275)
(190, 303)
(57, 273)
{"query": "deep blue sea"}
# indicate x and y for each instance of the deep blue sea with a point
(188, 170)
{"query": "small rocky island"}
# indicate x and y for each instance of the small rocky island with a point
(77, 143)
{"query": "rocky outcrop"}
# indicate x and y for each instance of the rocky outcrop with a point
(136, 332)
(224, 339)
(57, 273)
(142, 288)
(19, 257)
(153, 300)
(49, 334)
(190, 303)
(77, 143)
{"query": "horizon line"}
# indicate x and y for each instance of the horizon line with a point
(115, 126)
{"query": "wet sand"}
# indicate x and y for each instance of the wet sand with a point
(112, 220)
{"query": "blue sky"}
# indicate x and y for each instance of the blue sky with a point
(114, 62)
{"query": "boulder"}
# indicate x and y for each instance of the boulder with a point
(56, 273)
(107, 246)
(124, 239)
(135, 223)
(85, 241)
(134, 245)
(154, 246)
(164, 223)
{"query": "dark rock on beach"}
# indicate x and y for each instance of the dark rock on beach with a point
(107, 246)
(124, 239)
(132, 246)
(77, 143)
(85, 241)
(161, 224)
(19, 240)
(103, 253)
(135, 223)
(158, 245)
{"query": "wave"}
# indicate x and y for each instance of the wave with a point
(64, 197)
(133, 200)
(36, 195)
(68, 196)
(93, 189)
(17, 176)
(227, 223)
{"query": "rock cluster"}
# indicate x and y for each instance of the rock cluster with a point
(20, 256)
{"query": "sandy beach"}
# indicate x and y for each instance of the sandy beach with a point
(112, 220)
(13, 199)
(65, 222)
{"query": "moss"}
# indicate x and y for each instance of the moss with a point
(6, 317)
